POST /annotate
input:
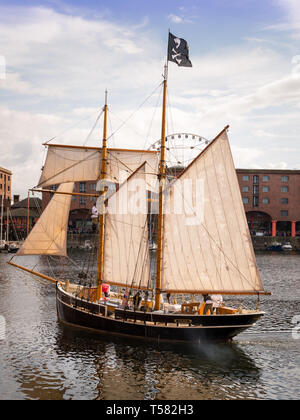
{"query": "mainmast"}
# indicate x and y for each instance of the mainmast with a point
(102, 210)
(162, 173)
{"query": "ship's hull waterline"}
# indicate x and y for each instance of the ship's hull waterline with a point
(147, 325)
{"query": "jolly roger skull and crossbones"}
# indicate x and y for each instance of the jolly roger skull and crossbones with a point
(176, 54)
(178, 51)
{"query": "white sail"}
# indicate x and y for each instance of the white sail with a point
(126, 256)
(49, 235)
(207, 247)
(74, 164)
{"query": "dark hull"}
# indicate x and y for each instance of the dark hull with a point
(170, 327)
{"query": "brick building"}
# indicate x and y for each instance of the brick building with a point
(81, 207)
(5, 186)
(272, 200)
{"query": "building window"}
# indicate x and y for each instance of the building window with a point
(255, 201)
(246, 178)
(266, 178)
(245, 200)
(284, 201)
(284, 213)
(53, 188)
(266, 200)
(284, 189)
(255, 189)
(255, 179)
(284, 178)
(245, 189)
(93, 187)
(265, 188)
(82, 187)
(82, 201)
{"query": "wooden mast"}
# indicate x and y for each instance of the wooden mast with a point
(162, 173)
(102, 210)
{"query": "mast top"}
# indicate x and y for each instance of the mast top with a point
(105, 101)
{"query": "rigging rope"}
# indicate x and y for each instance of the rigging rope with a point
(134, 112)
(70, 128)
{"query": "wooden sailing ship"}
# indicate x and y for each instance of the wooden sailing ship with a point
(196, 254)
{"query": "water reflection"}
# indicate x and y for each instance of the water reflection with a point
(133, 369)
(41, 359)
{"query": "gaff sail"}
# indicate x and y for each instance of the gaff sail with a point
(208, 249)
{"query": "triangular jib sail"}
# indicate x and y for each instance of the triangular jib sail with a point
(49, 235)
(207, 247)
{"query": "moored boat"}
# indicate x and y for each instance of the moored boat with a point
(286, 246)
(202, 242)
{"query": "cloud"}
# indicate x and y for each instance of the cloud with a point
(70, 55)
(58, 66)
(175, 19)
(291, 20)
(2, 67)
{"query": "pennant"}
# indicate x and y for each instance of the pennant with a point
(178, 51)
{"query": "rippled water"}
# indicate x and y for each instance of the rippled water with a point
(41, 359)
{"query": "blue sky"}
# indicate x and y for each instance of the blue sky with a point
(60, 56)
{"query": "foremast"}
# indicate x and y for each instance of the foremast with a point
(103, 176)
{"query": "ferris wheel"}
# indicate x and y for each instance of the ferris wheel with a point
(181, 148)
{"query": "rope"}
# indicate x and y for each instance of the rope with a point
(70, 128)
(134, 112)
(93, 128)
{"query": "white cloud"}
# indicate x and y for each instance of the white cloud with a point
(58, 67)
(70, 55)
(291, 19)
(2, 67)
(175, 18)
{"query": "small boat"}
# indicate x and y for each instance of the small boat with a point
(286, 246)
(13, 247)
(88, 246)
(275, 246)
(200, 252)
(3, 245)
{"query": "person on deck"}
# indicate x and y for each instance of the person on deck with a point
(217, 302)
(95, 215)
(208, 304)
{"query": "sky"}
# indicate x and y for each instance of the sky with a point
(58, 57)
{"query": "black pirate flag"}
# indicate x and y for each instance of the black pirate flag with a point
(178, 51)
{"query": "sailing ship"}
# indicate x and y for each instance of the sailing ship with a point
(198, 254)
